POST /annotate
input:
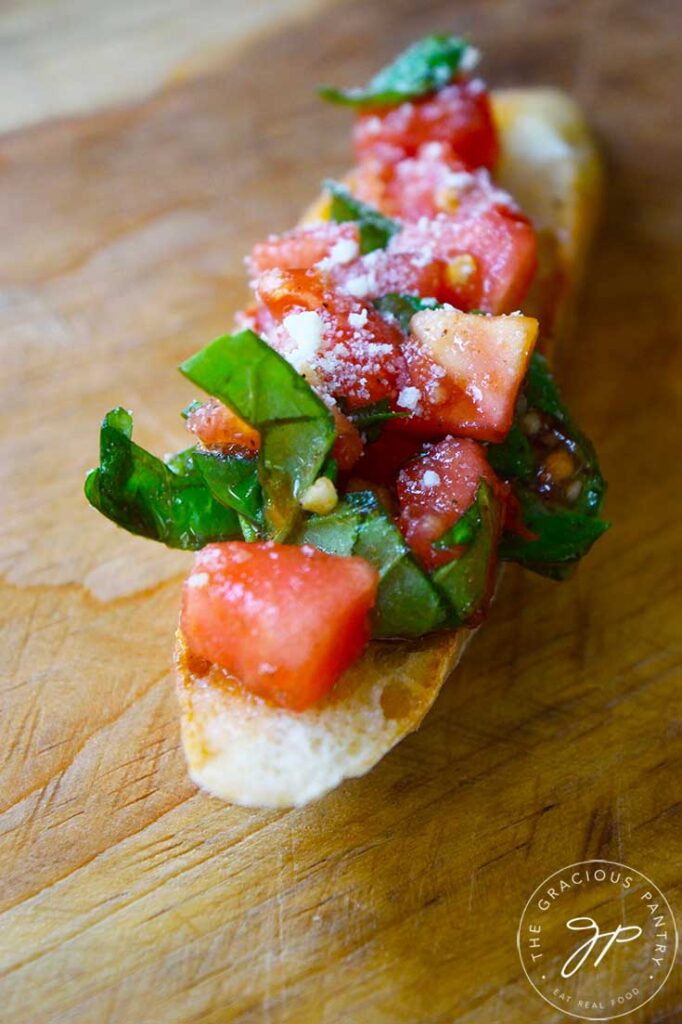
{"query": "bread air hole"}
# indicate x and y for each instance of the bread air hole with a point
(396, 701)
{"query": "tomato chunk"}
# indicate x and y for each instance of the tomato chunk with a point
(303, 247)
(499, 244)
(468, 370)
(285, 621)
(348, 446)
(459, 114)
(435, 489)
(216, 425)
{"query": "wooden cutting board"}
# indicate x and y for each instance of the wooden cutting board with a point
(126, 895)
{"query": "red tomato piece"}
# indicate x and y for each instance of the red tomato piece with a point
(361, 358)
(282, 291)
(384, 271)
(286, 621)
(353, 352)
(500, 247)
(468, 369)
(348, 445)
(382, 459)
(214, 424)
(460, 115)
(435, 489)
(303, 247)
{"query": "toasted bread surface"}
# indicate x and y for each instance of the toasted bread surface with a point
(248, 752)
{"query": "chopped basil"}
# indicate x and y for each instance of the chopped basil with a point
(375, 230)
(166, 501)
(464, 530)
(233, 481)
(407, 605)
(297, 430)
(562, 514)
(369, 419)
(424, 67)
(401, 308)
(465, 582)
(561, 537)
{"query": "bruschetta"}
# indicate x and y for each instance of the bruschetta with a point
(378, 436)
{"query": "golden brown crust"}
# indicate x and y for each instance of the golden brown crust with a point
(245, 751)
(248, 752)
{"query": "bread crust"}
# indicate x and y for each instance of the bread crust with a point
(248, 752)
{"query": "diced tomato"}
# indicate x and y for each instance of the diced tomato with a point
(436, 489)
(303, 247)
(468, 369)
(358, 356)
(382, 459)
(348, 445)
(360, 362)
(282, 291)
(286, 621)
(499, 242)
(460, 115)
(214, 424)
(384, 271)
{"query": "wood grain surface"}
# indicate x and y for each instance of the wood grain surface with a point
(127, 896)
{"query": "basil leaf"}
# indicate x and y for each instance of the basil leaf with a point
(426, 66)
(337, 532)
(562, 537)
(542, 394)
(562, 530)
(369, 419)
(401, 308)
(233, 481)
(463, 531)
(375, 230)
(407, 602)
(518, 458)
(466, 582)
(297, 430)
(169, 502)
(514, 458)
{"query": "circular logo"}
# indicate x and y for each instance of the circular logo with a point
(597, 940)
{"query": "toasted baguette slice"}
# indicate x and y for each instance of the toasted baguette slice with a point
(248, 752)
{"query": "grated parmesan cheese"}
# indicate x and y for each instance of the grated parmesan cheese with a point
(430, 479)
(344, 251)
(357, 320)
(306, 330)
(359, 287)
(409, 398)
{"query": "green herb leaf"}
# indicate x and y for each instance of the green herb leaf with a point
(542, 394)
(407, 605)
(563, 530)
(401, 308)
(464, 530)
(297, 430)
(369, 419)
(426, 66)
(562, 537)
(169, 502)
(516, 458)
(466, 582)
(375, 230)
(233, 481)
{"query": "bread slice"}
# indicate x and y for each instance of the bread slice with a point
(248, 752)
